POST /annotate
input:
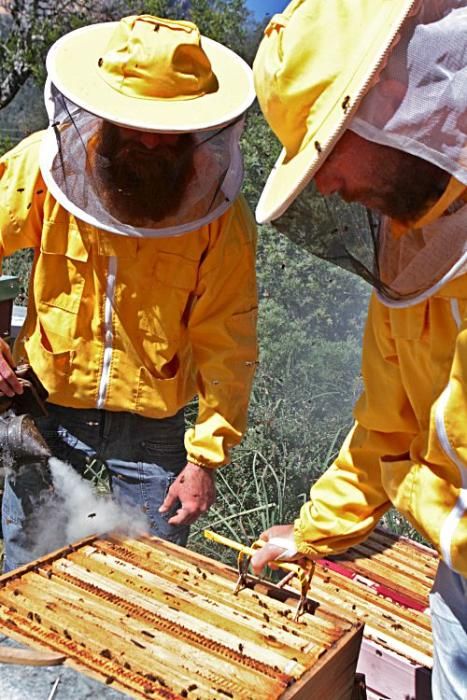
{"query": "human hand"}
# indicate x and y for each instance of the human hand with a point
(280, 546)
(9, 382)
(195, 488)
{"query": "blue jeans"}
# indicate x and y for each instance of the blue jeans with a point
(448, 605)
(143, 456)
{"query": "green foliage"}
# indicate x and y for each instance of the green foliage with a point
(6, 142)
(223, 20)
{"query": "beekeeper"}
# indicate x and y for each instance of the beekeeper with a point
(369, 101)
(143, 291)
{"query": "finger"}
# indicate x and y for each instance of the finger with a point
(264, 556)
(204, 508)
(9, 382)
(9, 387)
(270, 532)
(169, 501)
(183, 517)
(191, 509)
(6, 352)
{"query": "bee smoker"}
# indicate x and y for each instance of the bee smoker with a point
(20, 441)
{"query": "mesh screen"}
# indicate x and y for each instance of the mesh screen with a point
(419, 102)
(341, 233)
(115, 184)
(354, 238)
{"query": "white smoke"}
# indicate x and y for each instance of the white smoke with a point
(88, 513)
(72, 510)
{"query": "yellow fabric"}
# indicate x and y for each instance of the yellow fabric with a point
(408, 445)
(150, 57)
(313, 66)
(183, 313)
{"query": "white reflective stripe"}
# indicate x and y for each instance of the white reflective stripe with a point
(108, 332)
(450, 524)
(456, 314)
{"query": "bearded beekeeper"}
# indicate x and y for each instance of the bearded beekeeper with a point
(369, 100)
(143, 291)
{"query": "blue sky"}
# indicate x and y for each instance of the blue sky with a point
(263, 7)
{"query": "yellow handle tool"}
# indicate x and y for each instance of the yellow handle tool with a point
(304, 574)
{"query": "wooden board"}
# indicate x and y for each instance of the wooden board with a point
(158, 621)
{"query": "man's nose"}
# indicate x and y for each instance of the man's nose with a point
(149, 140)
(327, 181)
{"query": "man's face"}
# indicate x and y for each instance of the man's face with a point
(382, 178)
(145, 174)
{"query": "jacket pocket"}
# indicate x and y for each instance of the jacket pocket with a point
(167, 295)
(53, 367)
(157, 397)
(176, 271)
(409, 324)
(59, 280)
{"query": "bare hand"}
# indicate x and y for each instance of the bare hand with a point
(9, 382)
(269, 553)
(195, 489)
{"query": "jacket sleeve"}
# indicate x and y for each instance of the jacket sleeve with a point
(22, 193)
(348, 500)
(222, 330)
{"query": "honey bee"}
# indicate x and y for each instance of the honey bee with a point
(346, 104)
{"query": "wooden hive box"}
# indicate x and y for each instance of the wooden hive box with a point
(157, 621)
(385, 583)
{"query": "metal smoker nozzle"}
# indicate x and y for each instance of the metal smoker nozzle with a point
(20, 438)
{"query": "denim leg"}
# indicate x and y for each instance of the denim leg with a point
(29, 501)
(448, 604)
(25, 494)
(145, 485)
(158, 455)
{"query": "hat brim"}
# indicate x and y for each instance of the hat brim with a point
(290, 176)
(72, 68)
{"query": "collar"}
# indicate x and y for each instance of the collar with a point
(452, 198)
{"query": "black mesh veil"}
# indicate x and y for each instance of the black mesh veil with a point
(404, 269)
(343, 234)
(188, 186)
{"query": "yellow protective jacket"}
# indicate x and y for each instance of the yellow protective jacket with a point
(131, 324)
(408, 446)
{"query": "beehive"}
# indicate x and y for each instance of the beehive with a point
(385, 583)
(158, 621)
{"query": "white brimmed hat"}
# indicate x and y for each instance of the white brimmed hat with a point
(151, 74)
(314, 65)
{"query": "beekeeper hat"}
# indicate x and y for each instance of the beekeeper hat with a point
(314, 65)
(151, 74)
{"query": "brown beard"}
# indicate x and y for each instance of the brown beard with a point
(410, 188)
(141, 186)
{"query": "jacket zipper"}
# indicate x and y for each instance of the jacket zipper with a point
(108, 330)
